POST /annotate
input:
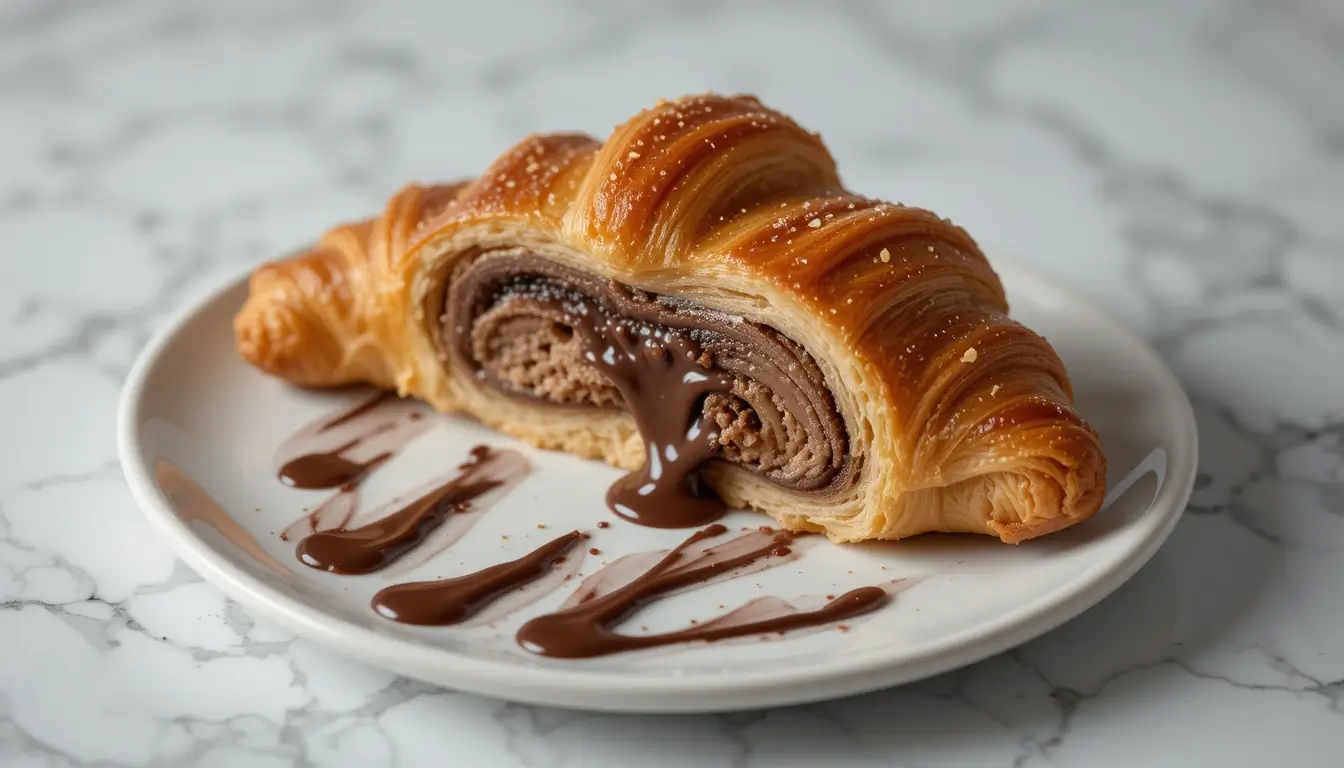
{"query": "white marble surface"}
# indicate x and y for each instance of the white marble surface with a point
(1181, 163)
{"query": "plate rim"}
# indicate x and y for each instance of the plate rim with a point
(617, 692)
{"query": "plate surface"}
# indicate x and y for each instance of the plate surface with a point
(192, 402)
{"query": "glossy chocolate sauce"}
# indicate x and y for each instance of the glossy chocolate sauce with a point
(585, 628)
(374, 546)
(660, 376)
(452, 601)
(328, 469)
(340, 451)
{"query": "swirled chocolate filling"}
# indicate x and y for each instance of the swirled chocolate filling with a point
(701, 385)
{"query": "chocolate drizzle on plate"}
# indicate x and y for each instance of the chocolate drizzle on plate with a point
(329, 467)
(665, 373)
(452, 601)
(341, 451)
(378, 544)
(585, 629)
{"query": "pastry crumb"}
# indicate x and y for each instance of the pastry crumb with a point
(970, 355)
(885, 255)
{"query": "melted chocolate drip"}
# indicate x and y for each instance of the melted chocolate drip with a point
(697, 382)
(378, 544)
(661, 378)
(585, 630)
(452, 601)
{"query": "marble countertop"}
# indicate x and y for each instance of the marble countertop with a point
(1182, 163)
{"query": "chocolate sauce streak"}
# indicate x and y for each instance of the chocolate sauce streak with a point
(374, 546)
(584, 629)
(340, 452)
(702, 386)
(452, 601)
(329, 468)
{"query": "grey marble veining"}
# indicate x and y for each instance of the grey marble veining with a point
(1181, 163)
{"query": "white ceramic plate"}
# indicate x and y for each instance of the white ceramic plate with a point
(191, 401)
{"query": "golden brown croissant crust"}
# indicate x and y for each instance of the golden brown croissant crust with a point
(873, 385)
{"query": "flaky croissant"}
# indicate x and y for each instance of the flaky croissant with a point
(873, 384)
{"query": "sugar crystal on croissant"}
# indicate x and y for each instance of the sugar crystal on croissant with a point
(700, 301)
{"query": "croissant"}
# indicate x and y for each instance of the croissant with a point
(699, 300)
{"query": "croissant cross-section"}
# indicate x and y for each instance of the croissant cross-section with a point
(700, 301)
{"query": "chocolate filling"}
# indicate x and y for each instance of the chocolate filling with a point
(701, 385)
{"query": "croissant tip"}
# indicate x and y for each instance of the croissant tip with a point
(1082, 500)
(255, 345)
